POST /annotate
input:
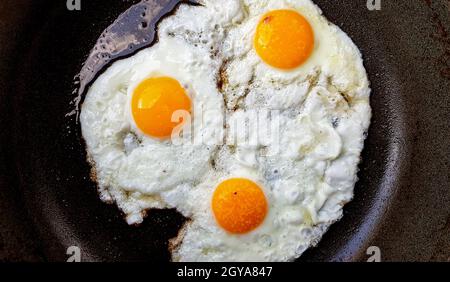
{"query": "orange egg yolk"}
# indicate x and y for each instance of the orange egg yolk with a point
(239, 205)
(153, 103)
(284, 39)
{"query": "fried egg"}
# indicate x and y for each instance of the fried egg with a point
(283, 56)
(126, 121)
(238, 70)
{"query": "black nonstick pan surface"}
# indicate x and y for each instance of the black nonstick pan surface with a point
(48, 202)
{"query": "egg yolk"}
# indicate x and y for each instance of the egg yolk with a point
(239, 205)
(284, 39)
(153, 103)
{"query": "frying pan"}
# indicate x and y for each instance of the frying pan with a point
(48, 202)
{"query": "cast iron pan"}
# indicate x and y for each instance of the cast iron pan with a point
(48, 202)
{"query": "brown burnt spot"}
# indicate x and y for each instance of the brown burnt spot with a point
(346, 97)
(93, 172)
(175, 243)
(239, 104)
(213, 160)
(267, 19)
(222, 80)
(93, 175)
(232, 149)
(313, 79)
(213, 164)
